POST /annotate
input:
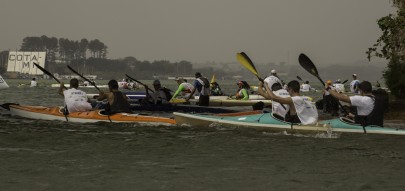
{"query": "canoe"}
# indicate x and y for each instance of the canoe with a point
(54, 113)
(266, 121)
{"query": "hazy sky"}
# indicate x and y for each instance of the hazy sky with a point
(328, 31)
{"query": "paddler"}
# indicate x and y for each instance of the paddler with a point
(34, 82)
(354, 84)
(202, 85)
(369, 107)
(215, 89)
(305, 87)
(242, 93)
(184, 89)
(75, 99)
(277, 108)
(161, 95)
(301, 108)
(117, 101)
(339, 87)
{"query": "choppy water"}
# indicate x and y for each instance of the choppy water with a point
(49, 155)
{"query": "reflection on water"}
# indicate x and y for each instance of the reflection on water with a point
(55, 155)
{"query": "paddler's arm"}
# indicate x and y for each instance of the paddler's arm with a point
(180, 89)
(191, 94)
(245, 95)
(270, 95)
(61, 88)
(101, 96)
(339, 96)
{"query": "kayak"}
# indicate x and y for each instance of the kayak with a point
(266, 121)
(80, 86)
(228, 102)
(132, 96)
(180, 108)
(55, 113)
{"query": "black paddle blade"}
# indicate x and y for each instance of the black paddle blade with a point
(344, 81)
(248, 59)
(307, 64)
(298, 77)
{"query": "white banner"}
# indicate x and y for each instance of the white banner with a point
(23, 62)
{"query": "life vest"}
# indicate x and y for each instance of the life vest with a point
(376, 117)
(205, 89)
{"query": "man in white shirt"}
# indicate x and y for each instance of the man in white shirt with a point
(33, 82)
(305, 87)
(75, 100)
(354, 85)
(364, 102)
(301, 108)
(339, 87)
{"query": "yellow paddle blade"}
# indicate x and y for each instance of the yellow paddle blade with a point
(245, 61)
(213, 78)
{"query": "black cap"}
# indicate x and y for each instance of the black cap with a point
(198, 74)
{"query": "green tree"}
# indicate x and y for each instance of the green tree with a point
(391, 45)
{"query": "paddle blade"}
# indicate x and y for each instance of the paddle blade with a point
(307, 64)
(299, 78)
(247, 63)
(344, 81)
(213, 79)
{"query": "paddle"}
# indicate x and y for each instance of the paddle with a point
(344, 81)
(299, 78)
(91, 82)
(139, 82)
(309, 66)
(48, 73)
(248, 64)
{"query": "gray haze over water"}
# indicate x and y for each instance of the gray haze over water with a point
(203, 31)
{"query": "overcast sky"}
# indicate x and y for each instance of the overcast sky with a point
(328, 31)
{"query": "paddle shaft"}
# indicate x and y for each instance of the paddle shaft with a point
(91, 82)
(48, 73)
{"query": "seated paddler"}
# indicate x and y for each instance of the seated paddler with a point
(301, 109)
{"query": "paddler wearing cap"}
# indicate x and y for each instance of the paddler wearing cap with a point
(354, 85)
(184, 89)
(202, 85)
(242, 93)
(161, 95)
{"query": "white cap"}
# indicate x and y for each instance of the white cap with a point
(354, 74)
(273, 71)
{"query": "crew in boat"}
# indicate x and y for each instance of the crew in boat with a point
(339, 87)
(370, 108)
(354, 85)
(242, 93)
(215, 89)
(34, 82)
(202, 86)
(301, 109)
(184, 89)
(160, 95)
(75, 99)
(277, 108)
(117, 101)
(305, 87)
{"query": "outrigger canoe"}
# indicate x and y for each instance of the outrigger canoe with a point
(266, 121)
(55, 113)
